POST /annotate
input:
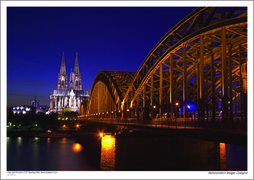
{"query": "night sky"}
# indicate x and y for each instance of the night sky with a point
(106, 38)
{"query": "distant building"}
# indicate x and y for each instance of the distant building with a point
(35, 103)
(63, 97)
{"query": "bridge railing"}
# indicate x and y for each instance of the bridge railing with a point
(235, 127)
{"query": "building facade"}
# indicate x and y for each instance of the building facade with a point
(68, 96)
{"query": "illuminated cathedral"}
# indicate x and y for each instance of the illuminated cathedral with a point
(68, 97)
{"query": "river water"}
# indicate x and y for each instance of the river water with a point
(123, 153)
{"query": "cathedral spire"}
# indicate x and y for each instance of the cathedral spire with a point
(63, 69)
(76, 66)
(62, 77)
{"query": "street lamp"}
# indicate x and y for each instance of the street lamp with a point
(177, 104)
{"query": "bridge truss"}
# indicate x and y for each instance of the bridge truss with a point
(199, 68)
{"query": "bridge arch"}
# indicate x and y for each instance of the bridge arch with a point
(220, 34)
(201, 61)
(107, 92)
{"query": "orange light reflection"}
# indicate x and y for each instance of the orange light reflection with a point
(107, 152)
(223, 161)
(76, 147)
(64, 140)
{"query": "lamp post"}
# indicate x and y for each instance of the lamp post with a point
(177, 104)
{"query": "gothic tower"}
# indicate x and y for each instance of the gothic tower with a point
(62, 77)
(75, 77)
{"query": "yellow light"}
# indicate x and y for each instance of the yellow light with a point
(101, 134)
(154, 107)
(128, 110)
(107, 153)
(77, 125)
(108, 142)
(112, 112)
(76, 147)
(223, 160)
(177, 104)
(107, 112)
(119, 111)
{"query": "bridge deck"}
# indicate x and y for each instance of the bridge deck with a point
(235, 133)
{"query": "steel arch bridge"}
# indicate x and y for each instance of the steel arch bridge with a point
(198, 67)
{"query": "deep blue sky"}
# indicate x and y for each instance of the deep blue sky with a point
(106, 38)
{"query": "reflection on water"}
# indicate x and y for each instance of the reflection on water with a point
(19, 141)
(223, 164)
(163, 153)
(122, 152)
(45, 154)
(63, 140)
(107, 152)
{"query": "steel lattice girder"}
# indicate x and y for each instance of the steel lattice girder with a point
(237, 27)
(113, 83)
(173, 65)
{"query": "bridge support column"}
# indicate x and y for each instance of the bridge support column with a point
(213, 86)
(185, 83)
(240, 83)
(201, 79)
(144, 103)
(224, 83)
(160, 92)
(137, 108)
(171, 86)
(230, 84)
(151, 99)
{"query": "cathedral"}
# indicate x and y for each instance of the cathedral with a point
(64, 97)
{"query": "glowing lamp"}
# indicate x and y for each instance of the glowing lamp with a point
(101, 134)
(177, 104)
(76, 147)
